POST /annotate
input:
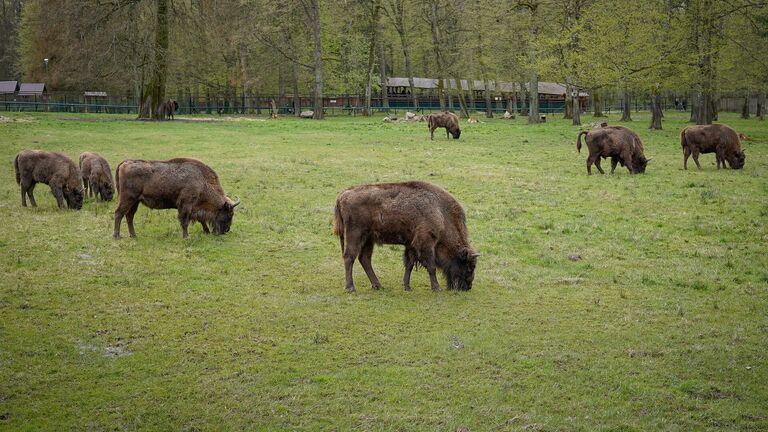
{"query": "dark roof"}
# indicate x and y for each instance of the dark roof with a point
(33, 89)
(429, 83)
(9, 87)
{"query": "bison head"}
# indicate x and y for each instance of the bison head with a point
(737, 160)
(107, 191)
(640, 164)
(456, 132)
(223, 218)
(460, 271)
(74, 198)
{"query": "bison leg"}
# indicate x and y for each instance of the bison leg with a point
(59, 194)
(686, 154)
(409, 260)
(30, 192)
(129, 219)
(695, 155)
(447, 134)
(432, 133)
(205, 227)
(184, 221)
(614, 162)
(597, 165)
(365, 260)
(86, 189)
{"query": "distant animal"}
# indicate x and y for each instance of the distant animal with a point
(167, 109)
(472, 120)
(97, 176)
(423, 217)
(187, 185)
(714, 138)
(508, 116)
(620, 144)
(744, 137)
(444, 119)
(54, 169)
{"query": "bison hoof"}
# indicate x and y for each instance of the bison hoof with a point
(350, 289)
(376, 286)
(407, 288)
(116, 236)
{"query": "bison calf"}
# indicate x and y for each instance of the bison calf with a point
(446, 120)
(714, 138)
(97, 176)
(616, 142)
(424, 218)
(54, 169)
(187, 185)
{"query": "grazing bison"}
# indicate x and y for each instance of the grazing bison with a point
(167, 109)
(97, 176)
(715, 138)
(54, 169)
(616, 142)
(423, 217)
(184, 184)
(446, 120)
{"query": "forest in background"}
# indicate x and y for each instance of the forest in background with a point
(150, 48)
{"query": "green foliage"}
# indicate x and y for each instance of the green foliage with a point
(611, 302)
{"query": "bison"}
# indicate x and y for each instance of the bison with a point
(444, 119)
(187, 185)
(97, 176)
(167, 109)
(714, 138)
(617, 142)
(423, 217)
(54, 169)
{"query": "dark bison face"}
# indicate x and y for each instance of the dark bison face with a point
(74, 198)
(107, 192)
(640, 165)
(456, 133)
(461, 270)
(223, 220)
(175, 106)
(737, 160)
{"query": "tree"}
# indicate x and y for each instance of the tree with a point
(396, 12)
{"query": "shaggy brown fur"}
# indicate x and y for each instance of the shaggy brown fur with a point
(54, 169)
(97, 176)
(187, 185)
(620, 144)
(446, 120)
(715, 138)
(423, 217)
(167, 109)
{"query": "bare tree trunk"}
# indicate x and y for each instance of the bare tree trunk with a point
(533, 83)
(568, 111)
(626, 112)
(281, 85)
(472, 105)
(441, 92)
(383, 69)
(745, 106)
(760, 114)
(374, 27)
(576, 107)
(513, 109)
(597, 104)
(312, 11)
(488, 109)
(295, 84)
(656, 113)
(154, 93)
(460, 96)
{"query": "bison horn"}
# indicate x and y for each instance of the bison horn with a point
(475, 254)
(235, 203)
(648, 160)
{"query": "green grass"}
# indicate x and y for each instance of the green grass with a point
(661, 325)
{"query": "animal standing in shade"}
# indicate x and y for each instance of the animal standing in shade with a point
(719, 139)
(620, 144)
(423, 217)
(97, 176)
(54, 169)
(167, 109)
(187, 185)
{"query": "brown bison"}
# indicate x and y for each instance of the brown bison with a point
(184, 184)
(714, 138)
(167, 109)
(97, 176)
(444, 119)
(616, 142)
(424, 218)
(54, 169)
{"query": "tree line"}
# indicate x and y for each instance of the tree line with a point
(150, 48)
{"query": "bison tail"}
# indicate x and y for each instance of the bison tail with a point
(117, 176)
(16, 168)
(578, 140)
(683, 143)
(338, 225)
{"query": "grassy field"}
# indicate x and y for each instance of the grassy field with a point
(661, 325)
